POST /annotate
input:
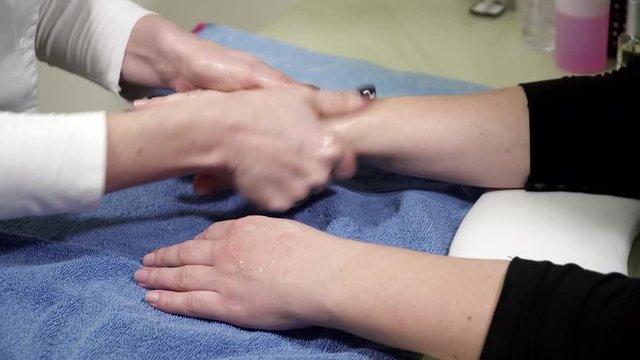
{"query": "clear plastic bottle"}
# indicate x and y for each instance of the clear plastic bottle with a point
(582, 32)
(629, 41)
(538, 23)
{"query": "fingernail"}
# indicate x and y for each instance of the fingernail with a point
(368, 91)
(140, 102)
(202, 188)
(152, 297)
(149, 259)
(141, 276)
(299, 203)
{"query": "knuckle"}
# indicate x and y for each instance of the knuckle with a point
(166, 302)
(160, 256)
(214, 231)
(241, 225)
(193, 304)
(184, 253)
(152, 277)
(182, 279)
(209, 232)
(253, 219)
(156, 253)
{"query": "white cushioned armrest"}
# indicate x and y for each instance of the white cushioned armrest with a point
(593, 231)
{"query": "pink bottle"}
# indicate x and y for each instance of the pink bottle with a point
(581, 35)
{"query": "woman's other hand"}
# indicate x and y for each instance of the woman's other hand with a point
(254, 272)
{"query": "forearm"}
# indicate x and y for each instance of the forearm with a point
(433, 305)
(152, 145)
(480, 139)
(582, 137)
(87, 37)
(51, 163)
(564, 312)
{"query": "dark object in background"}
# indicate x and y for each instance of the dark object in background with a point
(617, 23)
(368, 91)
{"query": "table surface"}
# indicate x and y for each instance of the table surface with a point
(438, 37)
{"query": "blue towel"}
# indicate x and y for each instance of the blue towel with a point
(66, 282)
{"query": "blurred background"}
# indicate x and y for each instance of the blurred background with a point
(496, 46)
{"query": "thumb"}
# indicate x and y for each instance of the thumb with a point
(270, 78)
(332, 104)
(347, 166)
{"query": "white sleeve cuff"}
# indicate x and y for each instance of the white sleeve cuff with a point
(87, 37)
(51, 163)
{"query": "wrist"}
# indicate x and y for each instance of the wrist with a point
(194, 143)
(153, 145)
(342, 285)
(155, 53)
(361, 129)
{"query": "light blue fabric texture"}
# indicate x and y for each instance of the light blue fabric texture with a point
(66, 282)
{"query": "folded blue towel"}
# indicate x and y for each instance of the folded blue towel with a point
(66, 282)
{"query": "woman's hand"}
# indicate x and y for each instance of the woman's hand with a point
(255, 272)
(278, 274)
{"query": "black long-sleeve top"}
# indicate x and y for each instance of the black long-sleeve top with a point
(585, 136)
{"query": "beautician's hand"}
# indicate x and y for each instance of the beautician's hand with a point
(255, 272)
(160, 54)
(211, 66)
(269, 145)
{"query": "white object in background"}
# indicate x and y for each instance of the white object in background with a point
(491, 8)
(593, 231)
(538, 23)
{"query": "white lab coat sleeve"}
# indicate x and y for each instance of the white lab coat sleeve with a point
(51, 164)
(87, 37)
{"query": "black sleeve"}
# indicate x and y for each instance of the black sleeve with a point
(548, 311)
(585, 133)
